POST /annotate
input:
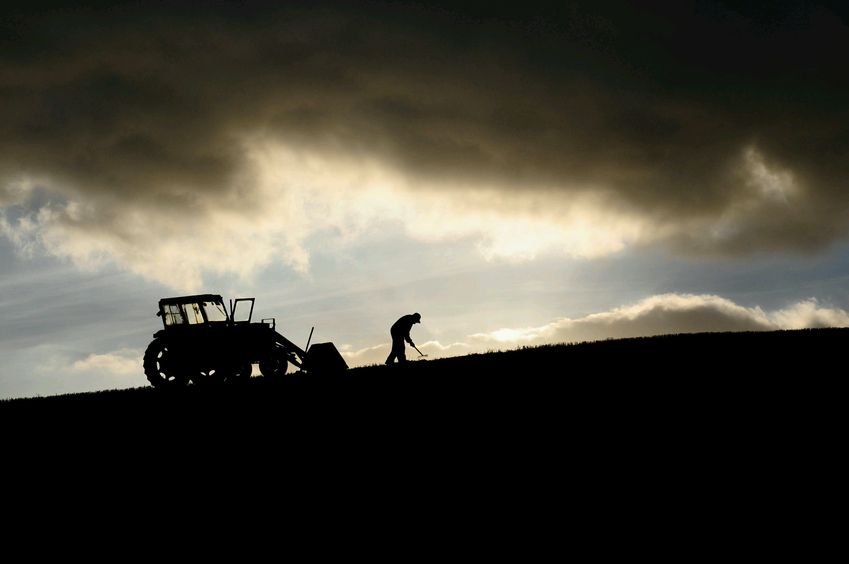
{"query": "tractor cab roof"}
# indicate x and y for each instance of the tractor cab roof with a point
(192, 299)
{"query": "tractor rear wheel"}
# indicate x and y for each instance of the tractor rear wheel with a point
(161, 367)
(275, 365)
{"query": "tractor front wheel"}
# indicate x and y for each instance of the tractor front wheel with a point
(275, 365)
(161, 367)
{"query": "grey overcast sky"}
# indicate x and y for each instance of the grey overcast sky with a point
(523, 174)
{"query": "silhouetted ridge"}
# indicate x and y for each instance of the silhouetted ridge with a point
(656, 411)
(692, 363)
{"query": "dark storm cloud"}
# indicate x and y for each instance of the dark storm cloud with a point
(724, 127)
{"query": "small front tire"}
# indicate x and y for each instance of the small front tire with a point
(275, 365)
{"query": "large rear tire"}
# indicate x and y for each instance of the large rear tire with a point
(275, 365)
(161, 367)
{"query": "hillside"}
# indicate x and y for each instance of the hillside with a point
(641, 377)
(685, 425)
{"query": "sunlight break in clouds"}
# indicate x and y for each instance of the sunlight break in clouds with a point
(136, 117)
(284, 196)
(656, 315)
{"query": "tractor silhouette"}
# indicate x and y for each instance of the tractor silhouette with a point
(201, 343)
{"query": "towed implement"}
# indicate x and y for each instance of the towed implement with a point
(201, 342)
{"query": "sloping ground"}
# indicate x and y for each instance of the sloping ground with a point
(640, 442)
(711, 371)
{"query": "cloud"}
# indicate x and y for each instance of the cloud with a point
(297, 194)
(49, 369)
(586, 130)
(808, 314)
(668, 314)
(122, 363)
(656, 315)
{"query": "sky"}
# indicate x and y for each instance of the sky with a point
(519, 175)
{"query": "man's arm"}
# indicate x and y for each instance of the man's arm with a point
(409, 325)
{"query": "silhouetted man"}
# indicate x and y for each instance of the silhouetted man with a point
(400, 332)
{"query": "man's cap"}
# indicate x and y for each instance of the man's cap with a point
(418, 317)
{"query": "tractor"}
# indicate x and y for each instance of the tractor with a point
(202, 343)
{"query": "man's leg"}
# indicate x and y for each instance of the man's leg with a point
(397, 350)
(393, 354)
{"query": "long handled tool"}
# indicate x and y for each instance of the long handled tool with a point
(417, 350)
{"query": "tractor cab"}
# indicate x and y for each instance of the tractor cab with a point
(204, 309)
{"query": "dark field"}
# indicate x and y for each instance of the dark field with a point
(686, 442)
(704, 381)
